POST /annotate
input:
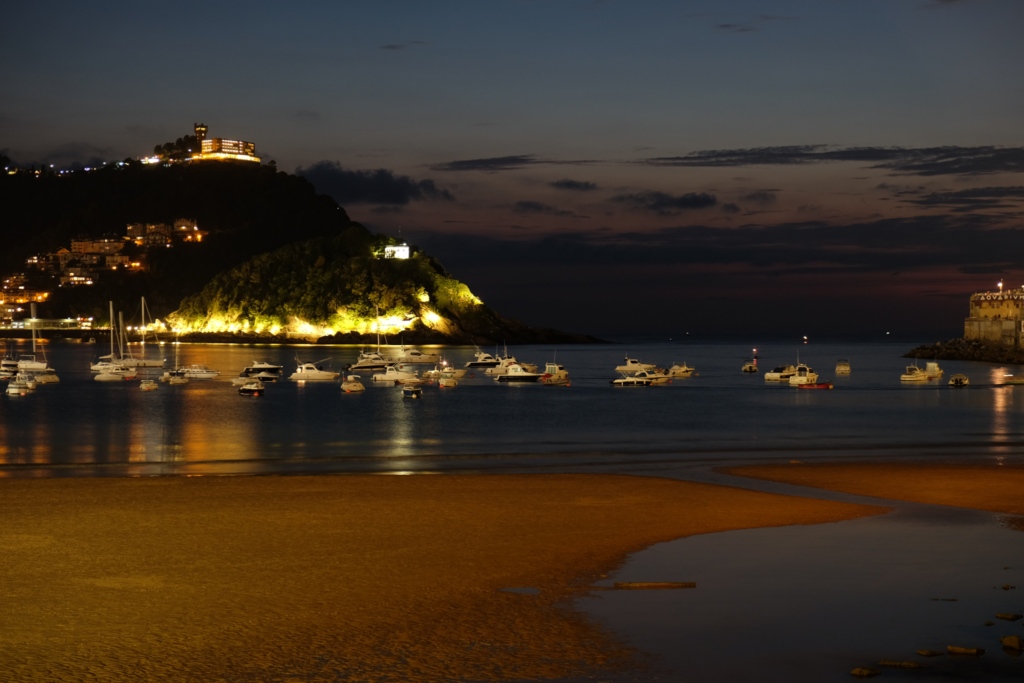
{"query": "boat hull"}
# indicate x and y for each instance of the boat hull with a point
(819, 385)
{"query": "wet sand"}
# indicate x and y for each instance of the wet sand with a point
(998, 488)
(320, 578)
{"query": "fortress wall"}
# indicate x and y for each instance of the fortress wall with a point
(1006, 332)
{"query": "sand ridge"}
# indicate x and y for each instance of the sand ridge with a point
(324, 578)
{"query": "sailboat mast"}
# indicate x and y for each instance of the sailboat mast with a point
(112, 328)
(120, 347)
(33, 308)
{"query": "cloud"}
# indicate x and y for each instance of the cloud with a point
(925, 161)
(762, 197)
(380, 186)
(730, 208)
(402, 46)
(491, 164)
(539, 208)
(575, 185)
(665, 204)
(972, 199)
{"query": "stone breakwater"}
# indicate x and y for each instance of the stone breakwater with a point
(969, 349)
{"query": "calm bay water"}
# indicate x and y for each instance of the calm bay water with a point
(83, 427)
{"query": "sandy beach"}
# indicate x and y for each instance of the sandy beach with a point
(319, 578)
(993, 487)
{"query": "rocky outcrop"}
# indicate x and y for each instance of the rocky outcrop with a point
(965, 349)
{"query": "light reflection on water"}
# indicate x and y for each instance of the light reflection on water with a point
(205, 427)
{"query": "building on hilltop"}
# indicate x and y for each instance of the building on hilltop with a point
(222, 149)
(396, 251)
(997, 317)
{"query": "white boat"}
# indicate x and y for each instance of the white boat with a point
(933, 370)
(8, 366)
(504, 363)
(313, 372)
(483, 360)
(370, 361)
(17, 387)
(263, 371)
(750, 365)
(654, 377)
(352, 383)
(29, 363)
(408, 354)
(242, 380)
(780, 374)
(959, 381)
(177, 379)
(843, 367)
(630, 381)
(148, 385)
(394, 373)
(633, 366)
(117, 373)
(683, 370)
(24, 379)
(804, 375)
(253, 387)
(517, 373)
(914, 374)
(555, 375)
(200, 371)
(448, 382)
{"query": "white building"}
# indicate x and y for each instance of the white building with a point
(396, 251)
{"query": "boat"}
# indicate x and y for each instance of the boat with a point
(632, 365)
(448, 382)
(413, 391)
(504, 363)
(393, 373)
(843, 367)
(933, 370)
(263, 371)
(116, 373)
(654, 377)
(959, 381)
(16, 387)
(148, 385)
(517, 373)
(123, 355)
(817, 385)
(444, 370)
(242, 379)
(369, 361)
(914, 374)
(8, 365)
(1010, 379)
(253, 387)
(313, 372)
(683, 370)
(24, 379)
(483, 360)
(28, 363)
(750, 365)
(780, 374)
(630, 381)
(352, 383)
(408, 354)
(804, 375)
(200, 371)
(178, 379)
(555, 375)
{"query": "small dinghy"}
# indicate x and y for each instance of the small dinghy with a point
(817, 385)
(148, 385)
(448, 383)
(959, 381)
(352, 383)
(412, 391)
(252, 388)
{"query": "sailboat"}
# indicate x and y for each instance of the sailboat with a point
(44, 374)
(124, 353)
(110, 371)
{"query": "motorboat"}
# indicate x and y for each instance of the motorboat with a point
(8, 366)
(1010, 379)
(517, 373)
(448, 383)
(555, 375)
(16, 387)
(444, 370)
(352, 383)
(148, 385)
(683, 370)
(843, 367)
(780, 374)
(370, 361)
(312, 371)
(253, 387)
(483, 360)
(633, 366)
(750, 365)
(242, 379)
(200, 371)
(178, 379)
(818, 385)
(263, 371)
(654, 377)
(413, 391)
(116, 373)
(408, 354)
(393, 373)
(914, 374)
(933, 370)
(25, 379)
(959, 381)
(504, 363)
(630, 381)
(804, 375)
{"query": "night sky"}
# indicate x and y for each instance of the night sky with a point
(728, 166)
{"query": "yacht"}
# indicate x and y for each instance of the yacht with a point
(352, 383)
(17, 387)
(200, 371)
(843, 367)
(311, 372)
(914, 374)
(8, 366)
(654, 377)
(504, 363)
(115, 373)
(483, 360)
(407, 354)
(630, 381)
(393, 373)
(750, 365)
(253, 387)
(933, 370)
(370, 361)
(517, 373)
(683, 370)
(263, 371)
(959, 381)
(780, 374)
(25, 378)
(632, 365)
(555, 375)
(804, 375)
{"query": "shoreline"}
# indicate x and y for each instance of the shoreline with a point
(215, 578)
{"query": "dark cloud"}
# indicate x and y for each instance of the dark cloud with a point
(972, 199)
(539, 208)
(665, 204)
(925, 161)
(492, 164)
(762, 197)
(402, 46)
(380, 186)
(730, 208)
(576, 185)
